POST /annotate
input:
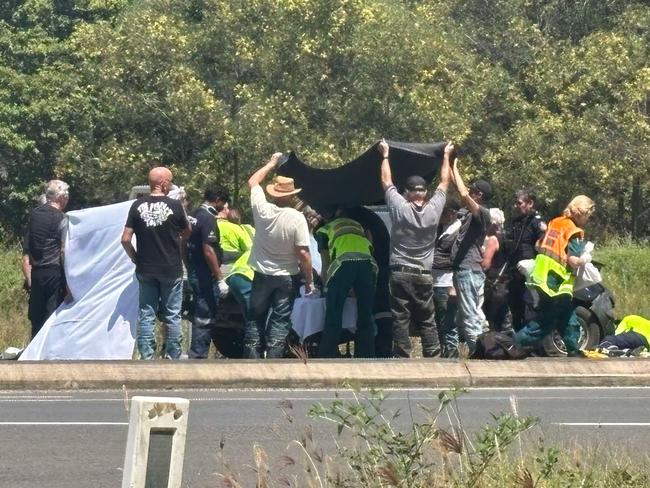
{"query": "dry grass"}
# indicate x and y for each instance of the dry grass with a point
(370, 452)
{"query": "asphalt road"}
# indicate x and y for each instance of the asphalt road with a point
(77, 439)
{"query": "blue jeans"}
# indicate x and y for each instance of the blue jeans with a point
(468, 286)
(445, 320)
(268, 332)
(241, 288)
(160, 297)
(205, 311)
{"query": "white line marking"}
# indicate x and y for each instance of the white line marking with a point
(35, 397)
(64, 423)
(463, 398)
(604, 424)
(294, 390)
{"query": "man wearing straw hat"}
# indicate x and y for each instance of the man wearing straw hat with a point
(280, 251)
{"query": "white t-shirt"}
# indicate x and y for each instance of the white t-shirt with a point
(277, 231)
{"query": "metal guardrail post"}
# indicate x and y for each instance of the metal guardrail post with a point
(156, 442)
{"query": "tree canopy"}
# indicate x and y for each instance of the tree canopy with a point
(550, 94)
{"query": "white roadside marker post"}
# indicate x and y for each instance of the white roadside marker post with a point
(156, 444)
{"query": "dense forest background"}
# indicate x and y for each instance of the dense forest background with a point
(553, 94)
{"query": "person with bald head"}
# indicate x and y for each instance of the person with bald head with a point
(158, 222)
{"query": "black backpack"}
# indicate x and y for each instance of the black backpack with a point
(498, 345)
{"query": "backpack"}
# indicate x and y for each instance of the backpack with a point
(498, 345)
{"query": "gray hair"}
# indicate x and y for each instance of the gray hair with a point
(56, 189)
(497, 217)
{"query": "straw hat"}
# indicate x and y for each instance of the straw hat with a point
(282, 187)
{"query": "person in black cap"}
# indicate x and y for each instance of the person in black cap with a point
(414, 219)
(467, 255)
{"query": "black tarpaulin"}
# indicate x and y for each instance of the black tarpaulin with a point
(359, 181)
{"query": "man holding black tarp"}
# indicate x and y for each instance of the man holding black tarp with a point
(467, 257)
(414, 219)
(280, 252)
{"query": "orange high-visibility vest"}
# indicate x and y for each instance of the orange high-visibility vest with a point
(552, 257)
(556, 239)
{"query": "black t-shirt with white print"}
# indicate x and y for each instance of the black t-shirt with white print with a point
(157, 222)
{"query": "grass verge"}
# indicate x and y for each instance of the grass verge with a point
(14, 325)
(370, 451)
(626, 273)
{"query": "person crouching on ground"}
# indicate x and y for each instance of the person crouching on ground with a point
(347, 263)
(560, 252)
(280, 251)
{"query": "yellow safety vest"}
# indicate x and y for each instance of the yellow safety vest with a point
(552, 257)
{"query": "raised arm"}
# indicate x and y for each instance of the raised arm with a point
(386, 175)
(471, 205)
(259, 176)
(445, 168)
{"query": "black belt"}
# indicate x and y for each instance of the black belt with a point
(410, 269)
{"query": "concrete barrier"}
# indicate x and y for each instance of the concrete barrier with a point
(320, 373)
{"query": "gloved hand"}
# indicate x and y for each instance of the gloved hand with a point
(586, 257)
(589, 247)
(525, 267)
(223, 288)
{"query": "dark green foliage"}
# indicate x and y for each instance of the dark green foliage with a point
(552, 94)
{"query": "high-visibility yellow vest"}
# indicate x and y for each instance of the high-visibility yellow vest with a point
(346, 240)
(552, 257)
(345, 235)
(636, 324)
(234, 239)
(241, 266)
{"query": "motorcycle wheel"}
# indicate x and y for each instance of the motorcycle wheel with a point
(589, 335)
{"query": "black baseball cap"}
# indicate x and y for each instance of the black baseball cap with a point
(415, 183)
(484, 187)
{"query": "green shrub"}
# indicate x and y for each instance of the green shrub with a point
(627, 274)
(14, 326)
(371, 452)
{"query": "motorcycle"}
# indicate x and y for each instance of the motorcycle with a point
(594, 309)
